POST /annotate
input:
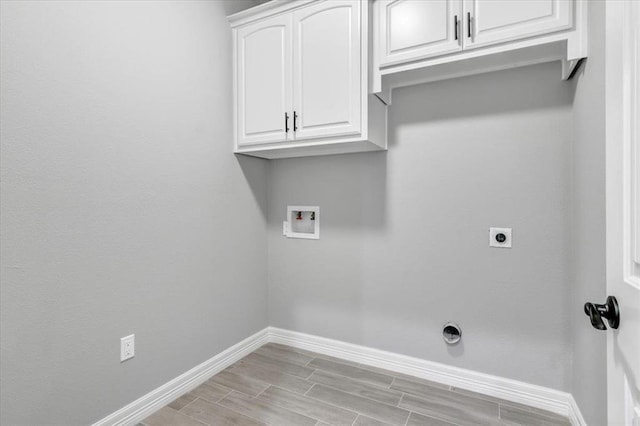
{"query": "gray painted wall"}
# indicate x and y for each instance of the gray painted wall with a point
(589, 233)
(404, 235)
(118, 215)
(123, 210)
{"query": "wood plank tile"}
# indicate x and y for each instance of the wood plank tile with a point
(363, 420)
(502, 402)
(292, 349)
(283, 366)
(168, 416)
(418, 388)
(262, 411)
(535, 411)
(308, 406)
(454, 408)
(314, 354)
(338, 392)
(416, 419)
(214, 414)
(368, 407)
(185, 399)
(240, 383)
(424, 382)
(490, 398)
(405, 377)
(211, 392)
(338, 360)
(271, 376)
(351, 371)
(525, 417)
(284, 353)
(356, 364)
(356, 387)
(476, 395)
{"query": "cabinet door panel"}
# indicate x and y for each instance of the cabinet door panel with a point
(416, 29)
(264, 81)
(498, 21)
(327, 71)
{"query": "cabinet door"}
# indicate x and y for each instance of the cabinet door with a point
(327, 72)
(264, 81)
(496, 21)
(417, 29)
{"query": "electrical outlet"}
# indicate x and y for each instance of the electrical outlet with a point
(500, 237)
(127, 347)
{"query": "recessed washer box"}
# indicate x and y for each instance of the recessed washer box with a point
(302, 222)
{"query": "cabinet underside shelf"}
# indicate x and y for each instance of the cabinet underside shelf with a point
(466, 64)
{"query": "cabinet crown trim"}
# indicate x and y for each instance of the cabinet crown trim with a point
(265, 10)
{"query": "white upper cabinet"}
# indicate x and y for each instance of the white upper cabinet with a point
(499, 21)
(414, 29)
(301, 80)
(421, 41)
(263, 80)
(326, 69)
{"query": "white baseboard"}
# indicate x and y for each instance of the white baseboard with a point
(158, 398)
(511, 390)
(575, 416)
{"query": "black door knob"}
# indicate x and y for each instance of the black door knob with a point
(609, 310)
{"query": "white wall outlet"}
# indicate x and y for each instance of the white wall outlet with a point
(500, 237)
(127, 347)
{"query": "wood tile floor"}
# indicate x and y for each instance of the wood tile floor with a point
(279, 385)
